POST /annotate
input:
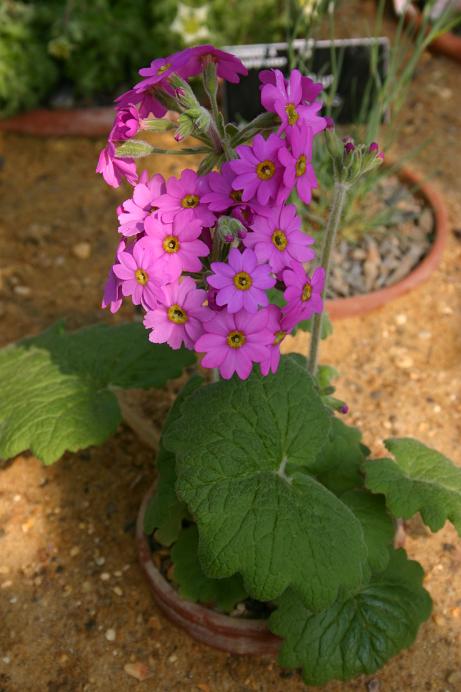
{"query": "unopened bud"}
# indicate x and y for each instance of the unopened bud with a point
(373, 147)
(229, 228)
(349, 147)
(330, 123)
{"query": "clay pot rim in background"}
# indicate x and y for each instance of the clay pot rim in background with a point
(448, 44)
(230, 634)
(339, 308)
(96, 122)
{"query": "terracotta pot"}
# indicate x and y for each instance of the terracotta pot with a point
(234, 635)
(448, 44)
(59, 122)
(361, 304)
(82, 122)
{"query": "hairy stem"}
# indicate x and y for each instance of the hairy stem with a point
(339, 197)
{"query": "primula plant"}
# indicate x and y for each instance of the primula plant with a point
(264, 494)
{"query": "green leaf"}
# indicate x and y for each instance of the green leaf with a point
(419, 480)
(165, 512)
(338, 465)
(258, 512)
(222, 594)
(276, 297)
(378, 527)
(356, 635)
(55, 389)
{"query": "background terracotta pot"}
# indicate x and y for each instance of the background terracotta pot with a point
(96, 122)
(62, 122)
(361, 304)
(234, 635)
(448, 44)
(79, 122)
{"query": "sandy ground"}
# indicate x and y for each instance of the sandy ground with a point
(74, 606)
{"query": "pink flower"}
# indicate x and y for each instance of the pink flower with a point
(113, 169)
(126, 124)
(146, 102)
(310, 90)
(278, 239)
(220, 194)
(139, 272)
(178, 317)
(258, 170)
(112, 297)
(156, 75)
(228, 66)
(286, 98)
(271, 363)
(184, 195)
(241, 283)
(133, 211)
(233, 343)
(299, 171)
(176, 245)
(303, 295)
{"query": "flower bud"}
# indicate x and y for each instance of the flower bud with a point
(330, 123)
(373, 147)
(228, 228)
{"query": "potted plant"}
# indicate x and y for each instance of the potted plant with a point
(267, 511)
(271, 527)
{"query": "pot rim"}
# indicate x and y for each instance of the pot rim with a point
(353, 306)
(448, 44)
(224, 632)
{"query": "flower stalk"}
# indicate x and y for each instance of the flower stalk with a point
(339, 198)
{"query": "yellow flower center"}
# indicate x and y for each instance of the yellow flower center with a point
(236, 195)
(307, 292)
(141, 276)
(265, 170)
(279, 239)
(164, 68)
(177, 315)
(171, 244)
(301, 165)
(189, 201)
(278, 337)
(292, 113)
(243, 281)
(236, 339)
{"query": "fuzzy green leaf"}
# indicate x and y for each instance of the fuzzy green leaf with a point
(356, 635)
(338, 464)
(243, 454)
(165, 512)
(419, 480)
(55, 389)
(378, 527)
(222, 594)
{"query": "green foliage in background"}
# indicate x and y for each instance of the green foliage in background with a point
(27, 72)
(95, 47)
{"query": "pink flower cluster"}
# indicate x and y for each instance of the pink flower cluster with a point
(207, 288)
(143, 100)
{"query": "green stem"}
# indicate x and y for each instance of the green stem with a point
(339, 197)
